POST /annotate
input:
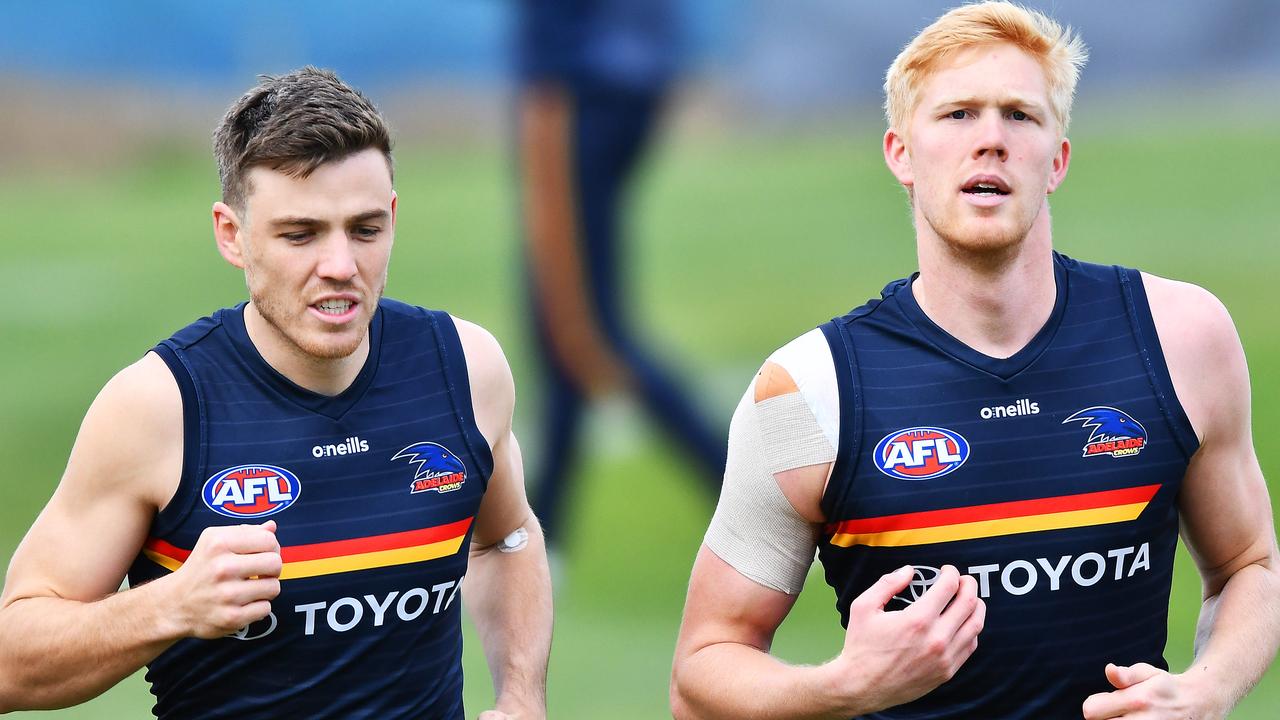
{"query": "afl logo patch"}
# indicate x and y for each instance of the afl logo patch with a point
(921, 453)
(251, 491)
(438, 470)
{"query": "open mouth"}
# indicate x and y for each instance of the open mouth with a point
(335, 307)
(986, 188)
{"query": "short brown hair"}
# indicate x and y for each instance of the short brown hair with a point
(1060, 52)
(294, 123)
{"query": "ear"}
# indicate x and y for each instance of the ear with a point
(1060, 162)
(226, 233)
(897, 158)
(394, 203)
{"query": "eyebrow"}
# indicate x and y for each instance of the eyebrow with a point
(1004, 102)
(366, 216)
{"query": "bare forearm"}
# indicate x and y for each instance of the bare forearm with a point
(55, 653)
(731, 680)
(1238, 633)
(509, 598)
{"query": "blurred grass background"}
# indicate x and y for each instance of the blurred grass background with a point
(742, 241)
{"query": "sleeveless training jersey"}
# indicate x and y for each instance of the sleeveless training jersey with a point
(374, 492)
(1051, 477)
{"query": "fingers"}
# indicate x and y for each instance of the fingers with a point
(1121, 676)
(1100, 707)
(962, 606)
(968, 632)
(255, 591)
(1114, 677)
(241, 539)
(879, 594)
(1126, 699)
(258, 565)
(942, 591)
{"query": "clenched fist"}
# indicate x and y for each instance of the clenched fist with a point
(229, 580)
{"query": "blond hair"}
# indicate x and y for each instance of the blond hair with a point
(1060, 52)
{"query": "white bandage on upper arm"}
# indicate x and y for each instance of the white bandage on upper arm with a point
(755, 529)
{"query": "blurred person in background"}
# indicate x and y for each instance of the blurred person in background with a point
(296, 486)
(993, 460)
(593, 78)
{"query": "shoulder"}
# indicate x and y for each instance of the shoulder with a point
(794, 402)
(489, 374)
(1190, 304)
(804, 366)
(134, 430)
(146, 390)
(1201, 348)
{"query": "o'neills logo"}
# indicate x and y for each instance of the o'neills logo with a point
(1018, 409)
(350, 446)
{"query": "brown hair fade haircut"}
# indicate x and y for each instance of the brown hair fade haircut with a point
(294, 123)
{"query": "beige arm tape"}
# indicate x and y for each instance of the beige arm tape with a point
(755, 529)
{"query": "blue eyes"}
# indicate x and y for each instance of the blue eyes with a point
(1019, 115)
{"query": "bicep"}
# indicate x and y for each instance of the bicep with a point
(127, 454)
(724, 606)
(1226, 511)
(1224, 504)
(505, 506)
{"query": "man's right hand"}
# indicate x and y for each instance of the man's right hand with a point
(229, 580)
(902, 655)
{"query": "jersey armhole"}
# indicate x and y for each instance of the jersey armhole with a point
(843, 357)
(1144, 331)
(455, 372)
(179, 506)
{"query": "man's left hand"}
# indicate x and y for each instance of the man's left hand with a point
(1145, 692)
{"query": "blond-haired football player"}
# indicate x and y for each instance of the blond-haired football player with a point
(993, 460)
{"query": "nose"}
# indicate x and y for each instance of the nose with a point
(337, 260)
(991, 139)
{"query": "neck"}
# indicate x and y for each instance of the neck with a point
(326, 376)
(993, 301)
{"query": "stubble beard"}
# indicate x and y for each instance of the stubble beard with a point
(317, 346)
(993, 239)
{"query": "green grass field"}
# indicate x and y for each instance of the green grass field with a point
(742, 243)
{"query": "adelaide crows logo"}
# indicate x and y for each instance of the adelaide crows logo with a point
(1111, 432)
(438, 469)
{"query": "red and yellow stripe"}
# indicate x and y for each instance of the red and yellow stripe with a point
(996, 519)
(339, 556)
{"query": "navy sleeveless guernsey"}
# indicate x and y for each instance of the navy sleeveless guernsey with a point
(373, 491)
(1050, 476)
